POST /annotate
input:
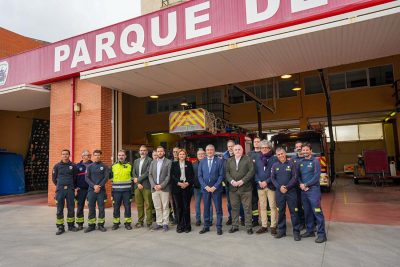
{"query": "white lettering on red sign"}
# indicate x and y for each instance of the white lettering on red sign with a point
(197, 24)
(192, 20)
(172, 29)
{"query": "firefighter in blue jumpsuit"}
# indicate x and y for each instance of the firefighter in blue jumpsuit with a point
(284, 178)
(309, 177)
(121, 176)
(64, 178)
(297, 159)
(82, 188)
(97, 175)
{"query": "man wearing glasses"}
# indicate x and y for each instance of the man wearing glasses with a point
(265, 187)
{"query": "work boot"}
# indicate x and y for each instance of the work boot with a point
(60, 231)
(101, 228)
(80, 226)
(320, 239)
(280, 235)
(297, 237)
(89, 229)
(128, 226)
(115, 226)
(72, 228)
(139, 225)
(249, 231)
(233, 230)
(306, 234)
(229, 221)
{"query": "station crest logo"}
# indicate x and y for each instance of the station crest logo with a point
(3, 72)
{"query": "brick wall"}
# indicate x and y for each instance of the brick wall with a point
(92, 125)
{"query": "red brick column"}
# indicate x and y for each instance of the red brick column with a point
(93, 125)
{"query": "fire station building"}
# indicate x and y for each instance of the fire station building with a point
(115, 87)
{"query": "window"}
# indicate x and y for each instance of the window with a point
(285, 88)
(372, 131)
(381, 75)
(312, 85)
(357, 78)
(163, 105)
(151, 107)
(346, 133)
(337, 81)
(235, 96)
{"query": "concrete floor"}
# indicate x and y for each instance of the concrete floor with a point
(27, 238)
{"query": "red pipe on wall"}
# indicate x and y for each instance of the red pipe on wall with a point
(72, 134)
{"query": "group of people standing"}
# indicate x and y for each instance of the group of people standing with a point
(251, 182)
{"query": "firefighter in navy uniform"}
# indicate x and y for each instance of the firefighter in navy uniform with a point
(309, 177)
(64, 178)
(121, 176)
(297, 159)
(97, 175)
(82, 188)
(284, 178)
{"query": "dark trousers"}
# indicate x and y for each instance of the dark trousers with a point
(229, 206)
(81, 199)
(289, 198)
(208, 198)
(182, 208)
(300, 206)
(119, 198)
(98, 198)
(65, 194)
(312, 210)
(254, 204)
(239, 198)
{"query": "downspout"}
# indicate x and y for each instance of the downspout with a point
(72, 133)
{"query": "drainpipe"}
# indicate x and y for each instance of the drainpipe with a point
(72, 133)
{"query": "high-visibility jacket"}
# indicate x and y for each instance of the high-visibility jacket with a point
(121, 175)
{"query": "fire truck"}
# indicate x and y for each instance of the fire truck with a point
(198, 128)
(317, 139)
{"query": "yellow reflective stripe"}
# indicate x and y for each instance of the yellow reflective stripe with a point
(92, 221)
(115, 220)
(317, 209)
(100, 220)
(255, 212)
(128, 220)
(71, 219)
(80, 219)
(59, 221)
(268, 212)
(296, 209)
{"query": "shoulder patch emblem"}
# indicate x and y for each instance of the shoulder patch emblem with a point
(101, 168)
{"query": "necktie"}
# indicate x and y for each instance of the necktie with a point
(209, 165)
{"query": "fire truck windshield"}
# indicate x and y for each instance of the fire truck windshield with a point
(289, 145)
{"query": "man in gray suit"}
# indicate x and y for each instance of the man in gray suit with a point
(142, 187)
(159, 177)
(239, 174)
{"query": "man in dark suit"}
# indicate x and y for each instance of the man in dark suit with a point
(239, 174)
(142, 187)
(211, 174)
(159, 177)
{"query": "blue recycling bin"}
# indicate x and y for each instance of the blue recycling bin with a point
(12, 178)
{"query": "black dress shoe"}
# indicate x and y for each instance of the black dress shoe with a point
(89, 229)
(60, 231)
(250, 231)
(219, 231)
(305, 235)
(320, 239)
(178, 230)
(128, 227)
(188, 230)
(198, 223)
(101, 228)
(297, 237)
(279, 235)
(204, 230)
(229, 221)
(233, 229)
